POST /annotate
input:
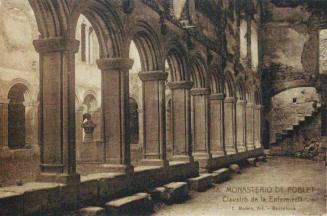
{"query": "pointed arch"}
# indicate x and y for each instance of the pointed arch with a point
(229, 85)
(198, 71)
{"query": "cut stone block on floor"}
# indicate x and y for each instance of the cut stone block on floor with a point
(235, 168)
(252, 161)
(220, 175)
(131, 205)
(200, 183)
(262, 158)
(176, 191)
(92, 211)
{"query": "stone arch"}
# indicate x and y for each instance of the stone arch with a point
(198, 71)
(16, 115)
(240, 89)
(91, 103)
(216, 78)
(177, 59)
(229, 85)
(28, 95)
(249, 94)
(148, 44)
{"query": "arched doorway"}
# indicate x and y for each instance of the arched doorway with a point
(16, 116)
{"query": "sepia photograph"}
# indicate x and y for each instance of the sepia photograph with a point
(163, 107)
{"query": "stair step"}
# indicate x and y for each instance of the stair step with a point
(200, 183)
(220, 175)
(92, 211)
(130, 205)
(175, 191)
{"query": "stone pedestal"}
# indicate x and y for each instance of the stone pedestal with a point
(241, 125)
(115, 112)
(181, 120)
(216, 122)
(154, 121)
(200, 126)
(57, 109)
(249, 126)
(88, 147)
(229, 125)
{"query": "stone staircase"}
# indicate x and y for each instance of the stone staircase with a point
(294, 122)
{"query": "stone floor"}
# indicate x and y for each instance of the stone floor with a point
(278, 175)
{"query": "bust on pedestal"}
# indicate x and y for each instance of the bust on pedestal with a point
(88, 148)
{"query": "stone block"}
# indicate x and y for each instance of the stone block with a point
(252, 161)
(92, 211)
(159, 193)
(134, 204)
(220, 175)
(88, 190)
(235, 168)
(175, 191)
(11, 204)
(200, 183)
(69, 196)
(262, 158)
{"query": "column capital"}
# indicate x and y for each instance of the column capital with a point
(249, 104)
(218, 96)
(229, 100)
(57, 44)
(200, 91)
(241, 102)
(4, 101)
(153, 75)
(115, 63)
(180, 85)
(258, 107)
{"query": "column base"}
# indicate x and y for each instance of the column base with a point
(258, 145)
(250, 146)
(217, 154)
(183, 158)
(118, 168)
(155, 162)
(241, 148)
(61, 178)
(230, 151)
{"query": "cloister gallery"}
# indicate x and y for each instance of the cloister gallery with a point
(124, 95)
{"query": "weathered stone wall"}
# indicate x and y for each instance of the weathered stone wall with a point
(291, 42)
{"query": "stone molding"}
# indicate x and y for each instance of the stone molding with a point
(200, 91)
(55, 45)
(216, 97)
(229, 100)
(180, 85)
(249, 104)
(259, 107)
(241, 102)
(115, 63)
(153, 75)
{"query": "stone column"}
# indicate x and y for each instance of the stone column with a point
(200, 126)
(79, 131)
(154, 122)
(31, 137)
(181, 120)
(115, 113)
(4, 125)
(216, 121)
(229, 125)
(249, 126)
(241, 125)
(57, 101)
(257, 125)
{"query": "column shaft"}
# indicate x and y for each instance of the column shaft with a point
(181, 120)
(57, 101)
(4, 125)
(217, 124)
(249, 126)
(115, 112)
(154, 120)
(241, 125)
(229, 125)
(257, 126)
